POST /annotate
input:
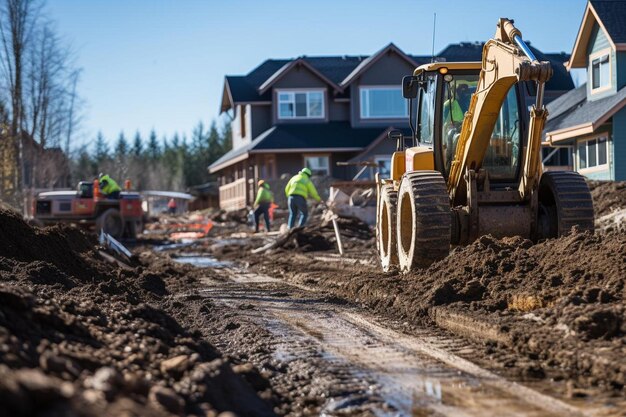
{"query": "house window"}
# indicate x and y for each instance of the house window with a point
(318, 164)
(383, 103)
(300, 104)
(592, 153)
(600, 72)
(383, 166)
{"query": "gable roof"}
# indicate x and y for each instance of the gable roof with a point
(332, 137)
(294, 64)
(243, 88)
(610, 16)
(340, 71)
(367, 63)
(572, 115)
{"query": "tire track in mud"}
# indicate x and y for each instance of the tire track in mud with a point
(373, 369)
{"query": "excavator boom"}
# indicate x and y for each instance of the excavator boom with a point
(506, 61)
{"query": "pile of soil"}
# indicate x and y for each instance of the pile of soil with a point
(79, 337)
(607, 196)
(560, 303)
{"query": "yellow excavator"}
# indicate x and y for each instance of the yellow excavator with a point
(473, 165)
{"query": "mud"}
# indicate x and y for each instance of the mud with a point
(607, 196)
(559, 304)
(79, 337)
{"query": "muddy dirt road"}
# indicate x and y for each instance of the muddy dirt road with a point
(364, 365)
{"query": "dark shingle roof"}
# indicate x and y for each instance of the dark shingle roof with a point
(337, 68)
(567, 101)
(318, 135)
(332, 135)
(612, 13)
(569, 110)
(472, 51)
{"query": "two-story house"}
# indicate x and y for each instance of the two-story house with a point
(317, 111)
(589, 122)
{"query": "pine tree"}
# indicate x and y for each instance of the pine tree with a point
(214, 141)
(153, 151)
(101, 152)
(121, 147)
(137, 146)
(227, 137)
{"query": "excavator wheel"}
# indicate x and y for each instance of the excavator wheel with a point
(386, 227)
(111, 222)
(564, 202)
(423, 220)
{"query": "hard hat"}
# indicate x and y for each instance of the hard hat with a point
(260, 183)
(306, 171)
(100, 175)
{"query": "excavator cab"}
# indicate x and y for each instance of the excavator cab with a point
(443, 98)
(472, 164)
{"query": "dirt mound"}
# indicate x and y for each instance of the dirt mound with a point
(79, 337)
(607, 196)
(560, 303)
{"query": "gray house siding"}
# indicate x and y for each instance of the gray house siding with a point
(600, 42)
(299, 78)
(387, 71)
(339, 111)
(261, 118)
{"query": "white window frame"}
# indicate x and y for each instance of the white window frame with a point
(364, 110)
(318, 155)
(597, 167)
(292, 92)
(380, 158)
(599, 55)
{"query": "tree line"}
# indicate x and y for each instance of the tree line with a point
(39, 106)
(153, 162)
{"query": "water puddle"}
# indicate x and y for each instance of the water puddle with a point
(202, 261)
(182, 244)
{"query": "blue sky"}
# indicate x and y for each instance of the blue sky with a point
(160, 63)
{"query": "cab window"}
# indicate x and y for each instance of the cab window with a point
(426, 120)
(503, 154)
(457, 94)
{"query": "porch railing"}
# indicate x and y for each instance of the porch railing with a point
(233, 195)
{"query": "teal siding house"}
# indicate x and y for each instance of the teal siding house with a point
(589, 122)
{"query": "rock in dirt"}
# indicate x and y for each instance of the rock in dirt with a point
(175, 365)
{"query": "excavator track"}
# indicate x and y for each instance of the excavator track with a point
(423, 220)
(565, 202)
(386, 227)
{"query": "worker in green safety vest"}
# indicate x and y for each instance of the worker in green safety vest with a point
(454, 109)
(109, 187)
(263, 202)
(298, 189)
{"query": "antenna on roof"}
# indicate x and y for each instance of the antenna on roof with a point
(432, 59)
